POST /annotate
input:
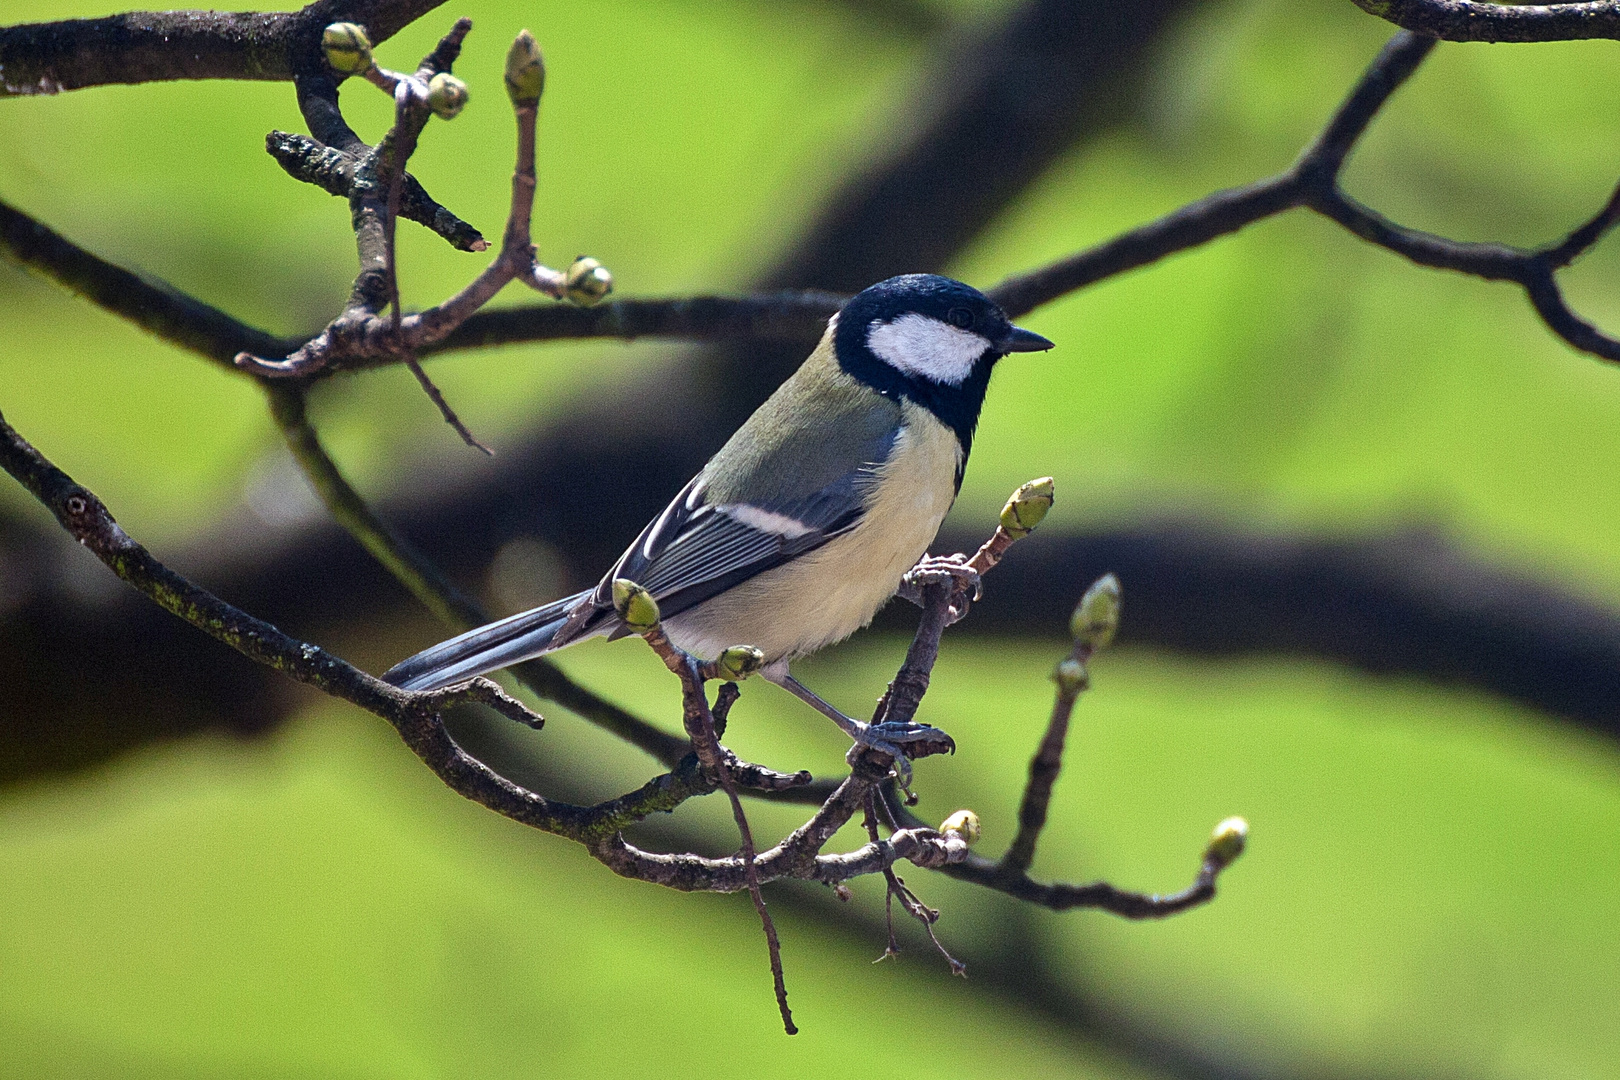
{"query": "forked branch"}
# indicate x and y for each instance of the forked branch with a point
(418, 718)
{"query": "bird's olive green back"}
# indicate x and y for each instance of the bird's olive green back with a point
(776, 456)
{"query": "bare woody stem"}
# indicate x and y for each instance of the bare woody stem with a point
(416, 717)
(700, 726)
(360, 333)
(154, 46)
(1471, 20)
(1044, 768)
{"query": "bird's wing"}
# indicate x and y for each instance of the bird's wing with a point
(697, 548)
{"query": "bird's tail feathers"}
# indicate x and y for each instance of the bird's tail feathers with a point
(489, 648)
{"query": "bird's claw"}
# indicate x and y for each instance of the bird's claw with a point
(941, 569)
(909, 734)
(902, 741)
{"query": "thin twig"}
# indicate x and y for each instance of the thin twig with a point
(707, 740)
(449, 414)
(1044, 768)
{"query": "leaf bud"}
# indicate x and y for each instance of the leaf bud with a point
(1071, 676)
(1096, 617)
(964, 823)
(635, 605)
(1027, 507)
(525, 70)
(1226, 843)
(447, 96)
(587, 281)
(347, 48)
(738, 662)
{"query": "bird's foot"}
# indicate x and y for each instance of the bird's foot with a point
(901, 741)
(941, 569)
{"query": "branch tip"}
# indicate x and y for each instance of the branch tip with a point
(586, 282)
(1027, 507)
(525, 71)
(1096, 617)
(1227, 842)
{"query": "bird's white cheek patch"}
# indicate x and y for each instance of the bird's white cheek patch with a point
(919, 345)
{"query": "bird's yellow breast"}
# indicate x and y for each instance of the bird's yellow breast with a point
(825, 595)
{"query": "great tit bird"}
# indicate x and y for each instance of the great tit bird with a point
(804, 524)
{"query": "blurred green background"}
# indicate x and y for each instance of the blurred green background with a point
(1431, 884)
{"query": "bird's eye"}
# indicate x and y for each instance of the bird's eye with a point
(960, 317)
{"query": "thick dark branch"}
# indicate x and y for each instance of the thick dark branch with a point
(1192, 225)
(155, 46)
(1469, 20)
(1389, 70)
(1548, 300)
(1493, 262)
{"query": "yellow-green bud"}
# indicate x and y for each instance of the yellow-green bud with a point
(525, 70)
(738, 662)
(587, 281)
(447, 96)
(347, 48)
(635, 605)
(964, 823)
(1028, 506)
(1227, 841)
(1096, 617)
(1071, 676)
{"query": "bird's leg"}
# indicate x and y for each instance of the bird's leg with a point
(939, 569)
(889, 738)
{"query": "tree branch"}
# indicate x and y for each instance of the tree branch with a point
(156, 46)
(1470, 20)
(798, 316)
(417, 718)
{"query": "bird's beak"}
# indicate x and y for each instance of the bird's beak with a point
(1020, 340)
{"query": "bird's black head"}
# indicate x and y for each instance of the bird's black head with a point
(931, 340)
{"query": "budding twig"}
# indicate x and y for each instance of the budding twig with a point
(359, 334)
(1093, 626)
(639, 611)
